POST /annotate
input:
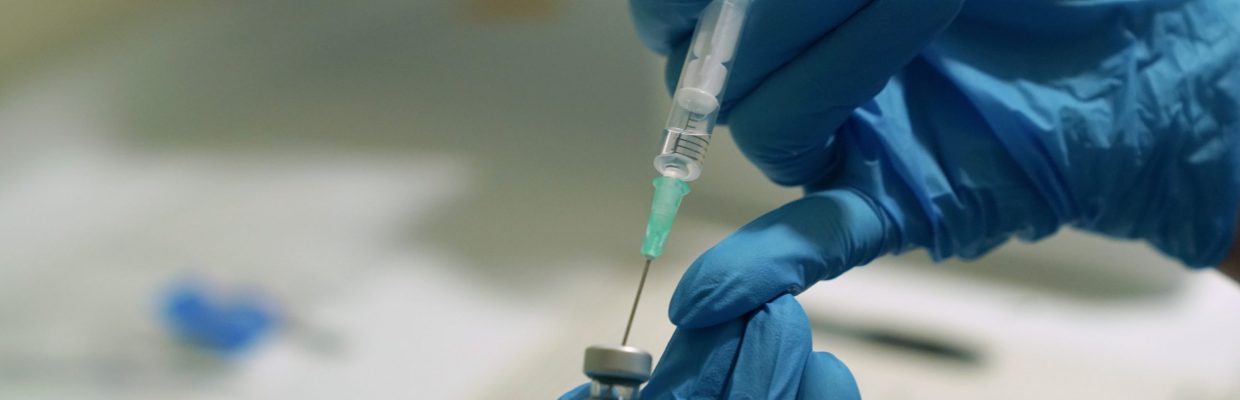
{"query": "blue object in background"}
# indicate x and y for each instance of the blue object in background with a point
(219, 322)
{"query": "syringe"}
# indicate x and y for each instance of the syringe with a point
(695, 105)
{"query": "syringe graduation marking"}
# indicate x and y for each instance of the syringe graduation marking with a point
(694, 144)
(698, 143)
(686, 142)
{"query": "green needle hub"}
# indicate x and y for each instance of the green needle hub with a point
(668, 192)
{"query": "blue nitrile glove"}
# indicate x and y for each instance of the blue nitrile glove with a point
(767, 353)
(1116, 117)
(775, 339)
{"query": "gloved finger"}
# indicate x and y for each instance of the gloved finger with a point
(772, 356)
(785, 251)
(581, 392)
(758, 356)
(825, 377)
(786, 124)
(697, 362)
(663, 24)
(775, 32)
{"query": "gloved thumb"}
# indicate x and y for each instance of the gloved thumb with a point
(785, 251)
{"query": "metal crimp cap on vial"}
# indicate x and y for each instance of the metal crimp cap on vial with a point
(605, 363)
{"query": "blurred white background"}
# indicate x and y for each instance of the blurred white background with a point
(445, 198)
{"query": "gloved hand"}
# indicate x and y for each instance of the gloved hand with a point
(712, 362)
(1116, 117)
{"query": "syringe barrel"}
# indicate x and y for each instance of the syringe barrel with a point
(699, 94)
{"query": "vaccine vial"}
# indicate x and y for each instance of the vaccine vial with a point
(616, 372)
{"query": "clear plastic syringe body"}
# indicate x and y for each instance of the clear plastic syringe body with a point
(699, 94)
(695, 105)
